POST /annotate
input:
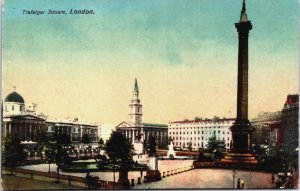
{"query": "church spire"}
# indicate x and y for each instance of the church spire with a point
(243, 17)
(136, 87)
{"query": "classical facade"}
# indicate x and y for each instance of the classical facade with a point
(137, 131)
(289, 121)
(19, 120)
(22, 120)
(196, 133)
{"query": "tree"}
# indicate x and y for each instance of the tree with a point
(119, 151)
(212, 144)
(190, 144)
(170, 140)
(42, 140)
(13, 152)
(152, 146)
(101, 144)
(61, 157)
(50, 154)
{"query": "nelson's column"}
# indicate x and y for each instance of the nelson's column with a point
(241, 129)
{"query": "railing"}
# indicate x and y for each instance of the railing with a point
(68, 178)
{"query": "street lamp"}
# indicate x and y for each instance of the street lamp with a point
(233, 178)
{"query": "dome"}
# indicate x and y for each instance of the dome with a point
(14, 97)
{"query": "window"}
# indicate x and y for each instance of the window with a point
(219, 132)
(20, 108)
(12, 107)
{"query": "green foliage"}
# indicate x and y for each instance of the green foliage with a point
(205, 157)
(212, 144)
(50, 153)
(101, 143)
(42, 139)
(170, 140)
(13, 151)
(119, 150)
(152, 146)
(102, 161)
(190, 146)
(216, 118)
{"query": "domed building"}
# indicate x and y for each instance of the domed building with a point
(19, 121)
(14, 104)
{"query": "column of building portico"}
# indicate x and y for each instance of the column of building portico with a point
(18, 127)
(71, 133)
(24, 125)
(35, 131)
(32, 131)
(21, 130)
(9, 128)
(4, 128)
(161, 136)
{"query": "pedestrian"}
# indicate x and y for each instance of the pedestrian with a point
(273, 178)
(242, 183)
(238, 185)
(141, 173)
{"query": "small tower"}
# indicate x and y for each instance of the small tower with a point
(135, 106)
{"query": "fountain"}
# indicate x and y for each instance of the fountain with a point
(172, 155)
(171, 152)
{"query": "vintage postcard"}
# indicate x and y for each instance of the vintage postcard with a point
(129, 94)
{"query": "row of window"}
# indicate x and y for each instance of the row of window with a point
(13, 108)
(207, 127)
(203, 123)
(199, 132)
(195, 138)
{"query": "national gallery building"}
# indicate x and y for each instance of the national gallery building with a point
(22, 120)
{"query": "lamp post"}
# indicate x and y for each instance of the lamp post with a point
(233, 178)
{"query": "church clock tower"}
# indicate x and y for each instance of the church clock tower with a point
(135, 106)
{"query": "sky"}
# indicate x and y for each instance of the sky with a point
(182, 52)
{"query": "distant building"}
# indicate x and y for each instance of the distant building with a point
(196, 133)
(135, 130)
(20, 120)
(74, 128)
(290, 126)
(268, 130)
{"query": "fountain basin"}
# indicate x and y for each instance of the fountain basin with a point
(91, 165)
